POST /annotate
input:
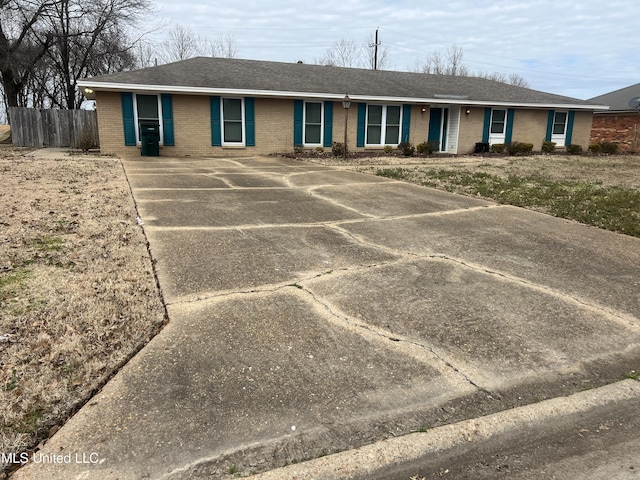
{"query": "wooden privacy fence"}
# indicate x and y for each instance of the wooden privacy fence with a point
(35, 127)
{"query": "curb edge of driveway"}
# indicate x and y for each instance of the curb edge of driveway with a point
(372, 461)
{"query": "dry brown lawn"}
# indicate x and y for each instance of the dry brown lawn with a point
(78, 296)
(614, 170)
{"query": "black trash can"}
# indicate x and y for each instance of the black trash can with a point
(150, 139)
(482, 147)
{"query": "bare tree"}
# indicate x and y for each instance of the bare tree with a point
(451, 64)
(89, 39)
(23, 42)
(343, 53)
(448, 64)
(46, 46)
(181, 44)
(512, 79)
(224, 46)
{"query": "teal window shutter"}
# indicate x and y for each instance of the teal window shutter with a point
(406, 122)
(509, 133)
(298, 108)
(128, 120)
(249, 120)
(362, 120)
(167, 119)
(552, 114)
(216, 132)
(328, 124)
(570, 120)
(487, 125)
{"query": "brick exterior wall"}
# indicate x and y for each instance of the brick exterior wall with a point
(620, 128)
(274, 127)
(471, 127)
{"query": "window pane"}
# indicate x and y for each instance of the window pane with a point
(147, 106)
(312, 134)
(497, 121)
(393, 115)
(313, 113)
(559, 123)
(375, 115)
(498, 115)
(232, 131)
(497, 127)
(373, 135)
(232, 109)
(392, 135)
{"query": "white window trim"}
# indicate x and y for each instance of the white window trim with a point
(135, 116)
(383, 126)
(244, 133)
(498, 138)
(560, 138)
(304, 125)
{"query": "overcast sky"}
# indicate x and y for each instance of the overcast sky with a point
(578, 48)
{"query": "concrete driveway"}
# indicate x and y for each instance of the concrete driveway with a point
(315, 310)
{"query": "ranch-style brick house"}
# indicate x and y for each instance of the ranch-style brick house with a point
(213, 106)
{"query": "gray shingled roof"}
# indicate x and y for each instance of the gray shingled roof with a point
(254, 75)
(618, 100)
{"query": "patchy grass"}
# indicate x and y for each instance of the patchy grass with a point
(78, 296)
(589, 193)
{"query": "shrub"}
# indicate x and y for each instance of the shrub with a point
(519, 148)
(86, 140)
(595, 148)
(338, 149)
(319, 150)
(497, 148)
(574, 149)
(609, 148)
(388, 149)
(407, 148)
(548, 147)
(298, 149)
(426, 148)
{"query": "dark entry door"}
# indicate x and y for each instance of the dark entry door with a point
(438, 127)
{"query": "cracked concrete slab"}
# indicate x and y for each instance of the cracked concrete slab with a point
(395, 198)
(197, 263)
(314, 310)
(598, 267)
(497, 332)
(252, 376)
(172, 208)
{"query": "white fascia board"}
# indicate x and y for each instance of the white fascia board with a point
(127, 87)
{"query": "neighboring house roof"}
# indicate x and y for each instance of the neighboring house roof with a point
(223, 76)
(618, 100)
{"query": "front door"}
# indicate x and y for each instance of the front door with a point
(438, 122)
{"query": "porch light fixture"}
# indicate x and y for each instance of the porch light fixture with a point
(346, 103)
(88, 91)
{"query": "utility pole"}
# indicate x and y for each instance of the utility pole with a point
(375, 50)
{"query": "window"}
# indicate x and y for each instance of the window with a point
(313, 123)
(232, 124)
(560, 123)
(498, 121)
(383, 124)
(147, 110)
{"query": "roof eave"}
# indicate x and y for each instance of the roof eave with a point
(129, 87)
